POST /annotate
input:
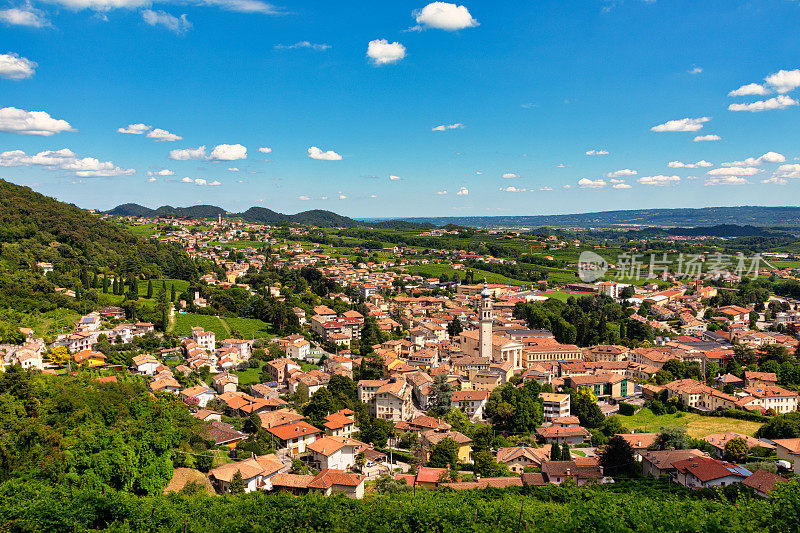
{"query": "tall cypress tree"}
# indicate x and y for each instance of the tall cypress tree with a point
(149, 288)
(105, 284)
(555, 452)
(172, 293)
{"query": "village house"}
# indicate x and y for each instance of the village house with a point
(295, 437)
(256, 473)
(555, 405)
(704, 472)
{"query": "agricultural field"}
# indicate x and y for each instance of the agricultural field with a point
(434, 271)
(250, 328)
(180, 286)
(184, 322)
(142, 230)
(696, 425)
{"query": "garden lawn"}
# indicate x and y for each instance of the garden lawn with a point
(696, 425)
(249, 376)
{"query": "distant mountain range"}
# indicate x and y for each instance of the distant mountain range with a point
(726, 220)
(262, 215)
(773, 217)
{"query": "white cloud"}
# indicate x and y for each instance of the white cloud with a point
(695, 70)
(510, 175)
(775, 180)
(734, 171)
(330, 155)
(265, 149)
(151, 179)
(172, 23)
(187, 180)
(64, 159)
(619, 173)
(702, 138)
(445, 127)
(749, 90)
(684, 124)
(444, 16)
(462, 191)
(27, 16)
(164, 172)
(659, 180)
(135, 129)
(597, 152)
(545, 188)
(564, 165)
(228, 152)
(303, 44)
(13, 120)
(188, 153)
(678, 164)
(342, 197)
(215, 183)
(778, 102)
(441, 192)
(304, 198)
(242, 6)
(14, 67)
(382, 52)
(726, 180)
(200, 181)
(784, 81)
(233, 169)
(586, 183)
(567, 186)
(791, 167)
(394, 178)
(163, 135)
(621, 186)
(769, 157)
(512, 189)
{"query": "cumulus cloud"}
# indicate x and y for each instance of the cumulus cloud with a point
(163, 135)
(749, 90)
(441, 192)
(705, 138)
(14, 67)
(188, 153)
(769, 157)
(164, 172)
(330, 155)
(303, 44)
(659, 180)
(444, 16)
(683, 124)
(620, 173)
(382, 52)
(511, 189)
(135, 129)
(394, 178)
(734, 171)
(726, 180)
(779, 102)
(172, 23)
(304, 198)
(13, 120)
(462, 191)
(228, 152)
(187, 180)
(775, 180)
(679, 164)
(510, 175)
(64, 159)
(342, 196)
(24, 16)
(215, 183)
(545, 188)
(445, 127)
(265, 149)
(621, 186)
(151, 179)
(597, 152)
(586, 183)
(784, 81)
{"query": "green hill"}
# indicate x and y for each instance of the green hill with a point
(35, 228)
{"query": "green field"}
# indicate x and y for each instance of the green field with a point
(696, 425)
(249, 376)
(185, 322)
(785, 264)
(180, 286)
(144, 230)
(250, 328)
(563, 296)
(436, 270)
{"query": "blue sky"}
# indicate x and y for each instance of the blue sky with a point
(523, 90)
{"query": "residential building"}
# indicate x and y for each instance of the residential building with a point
(555, 405)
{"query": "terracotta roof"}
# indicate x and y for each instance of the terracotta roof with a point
(706, 469)
(793, 445)
(470, 395)
(535, 479)
(326, 446)
(293, 430)
(430, 475)
(294, 481)
(330, 477)
(639, 441)
(763, 481)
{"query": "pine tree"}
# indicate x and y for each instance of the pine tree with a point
(555, 452)
(237, 483)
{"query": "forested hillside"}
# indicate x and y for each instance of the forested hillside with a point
(35, 228)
